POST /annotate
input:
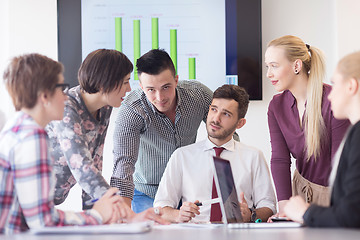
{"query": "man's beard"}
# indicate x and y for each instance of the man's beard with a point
(220, 135)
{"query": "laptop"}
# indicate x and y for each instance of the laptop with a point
(229, 203)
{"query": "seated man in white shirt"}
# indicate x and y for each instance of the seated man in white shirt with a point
(189, 173)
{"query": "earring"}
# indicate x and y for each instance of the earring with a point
(296, 72)
(46, 104)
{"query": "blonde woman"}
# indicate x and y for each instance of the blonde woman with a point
(300, 120)
(344, 209)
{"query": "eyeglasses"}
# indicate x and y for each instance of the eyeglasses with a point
(64, 87)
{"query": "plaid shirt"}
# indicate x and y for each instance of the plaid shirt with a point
(26, 181)
(147, 138)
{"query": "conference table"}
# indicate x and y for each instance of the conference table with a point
(222, 233)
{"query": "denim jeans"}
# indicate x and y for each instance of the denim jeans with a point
(141, 202)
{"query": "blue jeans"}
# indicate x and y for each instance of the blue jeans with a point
(141, 202)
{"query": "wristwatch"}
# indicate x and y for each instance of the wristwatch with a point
(253, 215)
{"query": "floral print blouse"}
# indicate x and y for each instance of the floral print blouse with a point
(77, 143)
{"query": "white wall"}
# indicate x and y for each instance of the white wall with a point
(30, 26)
(4, 53)
(26, 26)
(348, 22)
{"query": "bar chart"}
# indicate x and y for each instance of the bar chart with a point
(154, 43)
(194, 39)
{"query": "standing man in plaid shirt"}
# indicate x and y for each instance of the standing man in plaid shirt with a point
(152, 122)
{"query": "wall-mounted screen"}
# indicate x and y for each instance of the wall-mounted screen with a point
(211, 41)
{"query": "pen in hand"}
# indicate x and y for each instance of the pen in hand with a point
(211, 201)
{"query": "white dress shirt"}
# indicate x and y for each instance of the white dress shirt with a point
(189, 176)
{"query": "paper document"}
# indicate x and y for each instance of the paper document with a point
(188, 225)
(96, 229)
(265, 225)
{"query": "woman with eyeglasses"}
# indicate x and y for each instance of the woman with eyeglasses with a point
(36, 84)
(78, 139)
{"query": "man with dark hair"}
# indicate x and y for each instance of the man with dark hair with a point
(189, 175)
(152, 122)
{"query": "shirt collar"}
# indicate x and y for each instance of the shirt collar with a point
(291, 99)
(178, 98)
(229, 146)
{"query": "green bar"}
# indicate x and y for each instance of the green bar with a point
(118, 34)
(155, 32)
(136, 46)
(192, 71)
(173, 47)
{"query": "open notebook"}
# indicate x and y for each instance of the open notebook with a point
(229, 203)
(96, 229)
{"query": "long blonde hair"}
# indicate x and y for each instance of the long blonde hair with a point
(314, 66)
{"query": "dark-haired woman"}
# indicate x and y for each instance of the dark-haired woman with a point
(78, 140)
